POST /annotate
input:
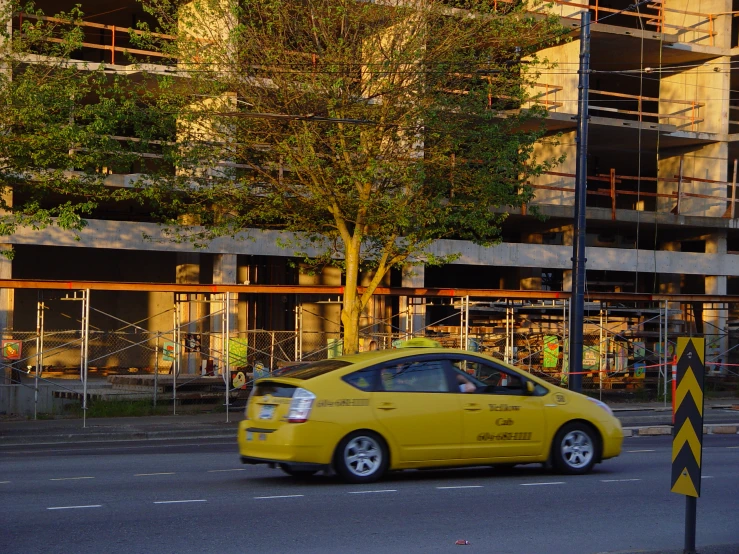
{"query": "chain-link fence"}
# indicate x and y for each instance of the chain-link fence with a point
(49, 371)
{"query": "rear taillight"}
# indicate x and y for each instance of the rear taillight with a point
(300, 406)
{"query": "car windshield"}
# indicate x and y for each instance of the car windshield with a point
(314, 369)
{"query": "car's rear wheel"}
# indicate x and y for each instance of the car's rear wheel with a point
(574, 448)
(300, 473)
(361, 457)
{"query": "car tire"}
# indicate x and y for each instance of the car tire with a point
(361, 457)
(299, 473)
(575, 448)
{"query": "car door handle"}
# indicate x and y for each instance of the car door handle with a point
(472, 407)
(386, 406)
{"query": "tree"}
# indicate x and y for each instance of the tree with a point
(364, 130)
(367, 129)
(59, 119)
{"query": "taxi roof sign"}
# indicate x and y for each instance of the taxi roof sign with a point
(419, 342)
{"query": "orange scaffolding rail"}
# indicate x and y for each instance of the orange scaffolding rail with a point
(613, 179)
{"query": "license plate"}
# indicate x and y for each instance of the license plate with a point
(267, 411)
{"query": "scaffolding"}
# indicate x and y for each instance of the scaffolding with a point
(629, 339)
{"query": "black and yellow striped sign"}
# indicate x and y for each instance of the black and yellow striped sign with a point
(687, 441)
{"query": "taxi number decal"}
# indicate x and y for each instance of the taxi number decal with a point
(503, 408)
(343, 402)
(493, 437)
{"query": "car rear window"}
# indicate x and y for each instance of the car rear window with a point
(314, 369)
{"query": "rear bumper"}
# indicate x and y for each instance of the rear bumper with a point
(295, 466)
(310, 443)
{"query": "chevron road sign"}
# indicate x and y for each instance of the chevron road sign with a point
(687, 442)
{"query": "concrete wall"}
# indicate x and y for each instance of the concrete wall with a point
(566, 56)
(20, 399)
(562, 10)
(703, 162)
(559, 257)
(693, 27)
(505, 255)
(554, 147)
(706, 84)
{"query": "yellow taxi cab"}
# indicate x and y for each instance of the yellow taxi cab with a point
(408, 408)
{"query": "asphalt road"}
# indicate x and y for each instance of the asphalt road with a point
(195, 496)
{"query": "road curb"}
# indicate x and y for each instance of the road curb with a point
(64, 438)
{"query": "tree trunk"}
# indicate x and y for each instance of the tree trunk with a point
(350, 320)
(352, 308)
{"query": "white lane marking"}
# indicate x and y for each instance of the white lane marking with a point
(732, 447)
(70, 478)
(536, 484)
(461, 487)
(74, 507)
(370, 492)
(222, 470)
(283, 496)
(706, 476)
(3, 482)
(632, 451)
(177, 501)
(618, 480)
(149, 474)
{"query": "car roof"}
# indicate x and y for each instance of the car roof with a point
(394, 353)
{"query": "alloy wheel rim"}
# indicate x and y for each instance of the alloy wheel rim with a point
(363, 456)
(577, 449)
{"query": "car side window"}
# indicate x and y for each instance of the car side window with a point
(421, 376)
(364, 379)
(496, 379)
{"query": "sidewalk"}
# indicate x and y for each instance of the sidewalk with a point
(166, 427)
(214, 425)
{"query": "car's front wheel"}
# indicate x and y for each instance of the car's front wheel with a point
(361, 457)
(574, 448)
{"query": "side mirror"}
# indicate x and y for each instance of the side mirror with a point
(530, 387)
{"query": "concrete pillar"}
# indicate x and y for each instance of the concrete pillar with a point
(567, 280)
(670, 283)
(530, 277)
(224, 273)
(412, 276)
(321, 316)
(715, 317)
(188, 271)
(7, 304)
(373, 321)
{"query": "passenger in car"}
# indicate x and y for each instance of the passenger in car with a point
(465, 385)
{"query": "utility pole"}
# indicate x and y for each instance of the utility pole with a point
(581, 185)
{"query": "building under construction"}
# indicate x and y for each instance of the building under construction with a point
(661, 237)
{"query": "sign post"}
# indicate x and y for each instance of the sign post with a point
(687, 441)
